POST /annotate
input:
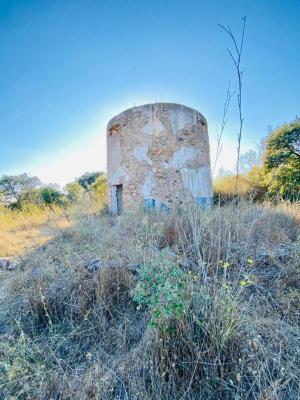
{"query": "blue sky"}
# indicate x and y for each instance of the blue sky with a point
(67, 67)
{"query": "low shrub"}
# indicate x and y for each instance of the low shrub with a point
(161, 288)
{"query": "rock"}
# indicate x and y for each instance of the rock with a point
(11, 266)
(93, 265)
(4, 262)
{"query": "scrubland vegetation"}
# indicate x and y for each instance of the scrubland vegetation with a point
(188, 304)
(191, 304)
(272, 175)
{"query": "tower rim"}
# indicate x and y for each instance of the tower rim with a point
(157, 105)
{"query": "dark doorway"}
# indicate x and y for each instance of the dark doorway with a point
(116, 199)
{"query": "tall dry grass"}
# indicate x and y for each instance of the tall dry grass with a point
(33, 225)
(72, 333)
(20, 229)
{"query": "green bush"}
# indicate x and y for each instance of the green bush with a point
(250, 186)
(23, 364)
(46, 196)
(282, 162)
(88, 179)
(74, 191)
(51, 196)
(161, 288)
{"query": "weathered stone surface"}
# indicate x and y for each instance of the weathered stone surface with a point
(158, 155)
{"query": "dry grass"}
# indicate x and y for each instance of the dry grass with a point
(68, 333)
(20, 230)
(34, 225)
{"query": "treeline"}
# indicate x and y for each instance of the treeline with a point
(19, 191)
(277, 175)
(272, 175)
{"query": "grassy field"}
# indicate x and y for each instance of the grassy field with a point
(189, 304)
(21, 230)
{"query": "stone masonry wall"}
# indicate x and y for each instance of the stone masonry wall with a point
(159, 153)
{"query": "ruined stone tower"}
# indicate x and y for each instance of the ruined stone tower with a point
(158, 157)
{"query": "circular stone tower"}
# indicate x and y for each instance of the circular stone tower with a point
(158, 157)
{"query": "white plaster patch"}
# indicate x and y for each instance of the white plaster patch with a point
(158, 126)
(141, 154)
(148, 129)
(198, 182)
(149, 185)
(179, 120)
(181, 156)
(118, 175)
(153, 127)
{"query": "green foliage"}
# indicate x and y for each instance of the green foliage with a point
(45, 196)
(50, 196)
(95, 190)
(161, 288)
(20, 190)
(100, 187)
(74, 191)
(283, 146)
(11, 186)
(250, 186)
(27, 197)
(88, 179)
(282, 162)
(279, 177)
(22, 363)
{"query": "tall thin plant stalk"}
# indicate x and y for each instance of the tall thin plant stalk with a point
(236, 56)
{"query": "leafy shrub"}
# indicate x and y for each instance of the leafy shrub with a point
(282, 162)
(279, 176)
(250, 186)
(12, 186)
(88, 179)
(74, 191)
(161, 288)
(99, 187)
(50, 196)
(22, 362)
(45, 196)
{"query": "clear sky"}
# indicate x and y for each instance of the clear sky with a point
(68, 66)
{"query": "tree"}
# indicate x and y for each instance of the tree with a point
(222, 172)
(44, 196)
(248, 161)
(74, 191)
(50, 196)
(11, 186)
(88, 179)
(100, 187)
(282, 161)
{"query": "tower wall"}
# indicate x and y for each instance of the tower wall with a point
(158, 156)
